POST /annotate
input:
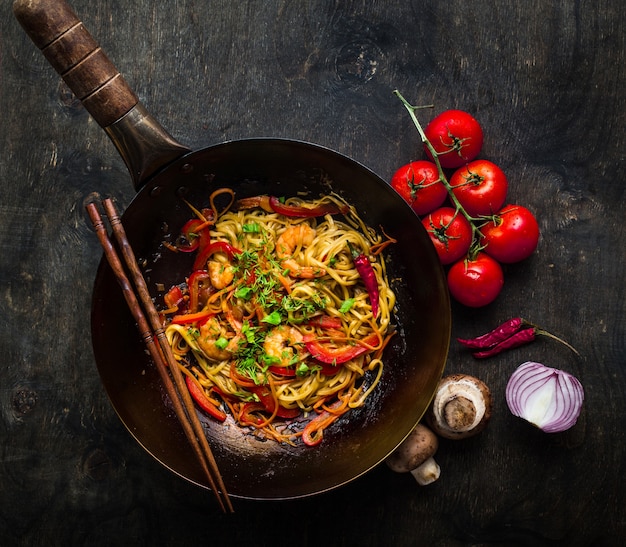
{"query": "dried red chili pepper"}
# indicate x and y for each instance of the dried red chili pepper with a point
(493, 337)
(521, 337)
(510, 334)
(368, 276)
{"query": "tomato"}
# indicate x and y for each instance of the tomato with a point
(450, 232)
(418, 183)
(476, 282)
(480, 187)
(512, 235)
(456, 136)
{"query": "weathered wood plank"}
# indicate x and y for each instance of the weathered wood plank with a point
(546, 80)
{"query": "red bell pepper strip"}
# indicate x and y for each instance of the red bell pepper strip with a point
(336, 355)
(329, 370)
(313, 432)
(189, 318)
(287, 413)
(282, 371)
(368, 275)
(252, 202)
(247, 414)
(197, 394)
(217, 246)
(189, 238)
(325, 322)
(305, 212)
(197, 282)
(269, 404)
(173, 298)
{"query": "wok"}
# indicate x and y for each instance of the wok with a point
(164, 172)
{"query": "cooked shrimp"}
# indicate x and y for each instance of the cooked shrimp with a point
(282, 343)
(216, 342)
(221, 274)
(292, 239)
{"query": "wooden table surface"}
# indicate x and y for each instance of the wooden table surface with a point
(547, 80)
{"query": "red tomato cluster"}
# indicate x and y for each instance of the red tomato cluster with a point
(464, 211)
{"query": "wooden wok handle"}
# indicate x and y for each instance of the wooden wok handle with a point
(76, 56)
(143, 143)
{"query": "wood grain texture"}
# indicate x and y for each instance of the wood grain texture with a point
(547, 80)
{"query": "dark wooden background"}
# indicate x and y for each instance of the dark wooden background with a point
(547, 80)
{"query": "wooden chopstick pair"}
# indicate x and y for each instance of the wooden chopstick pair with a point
(161, 352)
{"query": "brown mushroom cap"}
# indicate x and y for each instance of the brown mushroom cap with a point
(420, 445)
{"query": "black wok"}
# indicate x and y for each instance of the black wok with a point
(164, 172)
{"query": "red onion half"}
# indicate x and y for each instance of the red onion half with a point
(548, 398)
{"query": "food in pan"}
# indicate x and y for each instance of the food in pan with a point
(282, 320)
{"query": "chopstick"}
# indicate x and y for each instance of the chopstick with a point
(161, 354)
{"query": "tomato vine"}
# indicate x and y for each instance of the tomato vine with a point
(476, 190)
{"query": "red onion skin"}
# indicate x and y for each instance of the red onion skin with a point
(567, 397)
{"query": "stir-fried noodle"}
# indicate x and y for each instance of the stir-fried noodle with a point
(275, 323)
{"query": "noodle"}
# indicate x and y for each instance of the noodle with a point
(276, 321)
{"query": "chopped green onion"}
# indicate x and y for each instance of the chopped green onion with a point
(244, 292)
(251, 228)
(347, 304)
(248, 332)
(221, 343)
(303, 368)
(273, 318)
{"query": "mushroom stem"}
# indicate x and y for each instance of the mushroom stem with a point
(426, 473)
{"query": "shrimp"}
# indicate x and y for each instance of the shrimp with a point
(215, 342)
(282, 343)
(301, 235)
(221, 274)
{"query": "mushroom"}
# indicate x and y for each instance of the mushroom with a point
(415, 456)
(461, 407)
